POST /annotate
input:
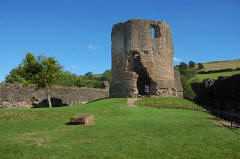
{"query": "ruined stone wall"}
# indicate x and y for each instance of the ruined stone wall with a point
(221, 94)
(222, 89)
(16, 96)
(139, 59)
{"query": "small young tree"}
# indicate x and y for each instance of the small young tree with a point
(42, 71)
(192, 64)
(200, 66)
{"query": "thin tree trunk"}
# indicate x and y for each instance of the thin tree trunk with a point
(49, 98)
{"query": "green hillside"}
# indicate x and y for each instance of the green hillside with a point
(217, 65)
(120, 132)
(215, 75)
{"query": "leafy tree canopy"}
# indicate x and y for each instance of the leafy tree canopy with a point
(192, 64)
(183, 65)
(200, 66)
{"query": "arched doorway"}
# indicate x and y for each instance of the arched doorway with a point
(143, 76)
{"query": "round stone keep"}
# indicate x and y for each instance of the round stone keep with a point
(142, 56)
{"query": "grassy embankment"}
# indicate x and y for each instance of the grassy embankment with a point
(168, 102)
(217, 65)
(119, 132)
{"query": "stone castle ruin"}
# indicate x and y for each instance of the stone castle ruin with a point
(142, 55)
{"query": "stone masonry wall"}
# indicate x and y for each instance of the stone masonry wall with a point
(17, 96)
(138, 59)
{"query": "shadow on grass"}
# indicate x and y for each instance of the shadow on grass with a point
(73, 123)
(56, 102)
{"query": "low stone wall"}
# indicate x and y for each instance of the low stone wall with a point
(17, 96)
(169, 92)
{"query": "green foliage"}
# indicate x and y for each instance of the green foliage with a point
(217, 71)
(183, 65)
(216, 75)
(200, 66)
(89, 74)
(88, 80)
(41, 71)
(192, 64)
(66, 78)
(195, 79)
(120, 132)
(188, 92)
(188, 73)
(107, 76)
(186, 76)
(16, 75)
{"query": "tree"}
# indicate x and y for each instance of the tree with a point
(16, 75)
(200, 66)
(66, 78)
(188, 92)
(192, 64)
(183, 65)
(107, 76)
(188, 73)
(42, 71)
(89, 75)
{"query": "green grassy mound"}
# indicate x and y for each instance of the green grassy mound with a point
(168, 102)
(120, 132)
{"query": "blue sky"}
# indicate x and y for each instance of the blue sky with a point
(78, 32)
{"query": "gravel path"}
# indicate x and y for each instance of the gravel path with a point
(130, 101)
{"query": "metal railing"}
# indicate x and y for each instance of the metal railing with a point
(224, 109)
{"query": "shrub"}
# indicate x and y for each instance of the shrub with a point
(188, 92)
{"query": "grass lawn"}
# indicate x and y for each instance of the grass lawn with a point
(168, 102)
(120, 132)
(215, 75)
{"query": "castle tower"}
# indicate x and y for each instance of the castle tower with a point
(142, 55)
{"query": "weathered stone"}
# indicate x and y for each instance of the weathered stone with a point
(83, 119)
(17, 96)
(138, 59)
(209, 82)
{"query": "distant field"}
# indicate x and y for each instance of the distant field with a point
(215, 75)
(217, 65)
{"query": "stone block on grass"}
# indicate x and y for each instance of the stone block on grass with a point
(83, 119)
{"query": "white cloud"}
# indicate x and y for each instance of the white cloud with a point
(74, 67)
(176, 59)
(92, 47)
